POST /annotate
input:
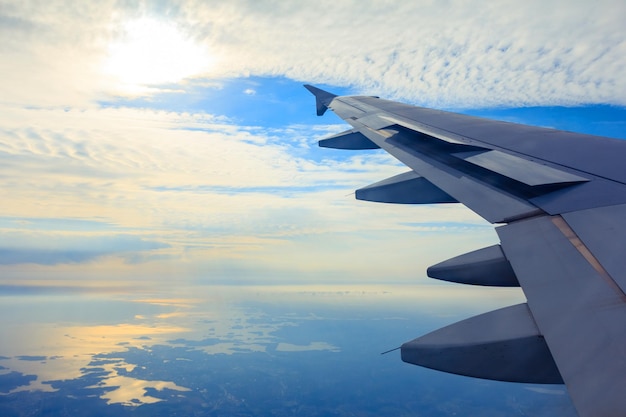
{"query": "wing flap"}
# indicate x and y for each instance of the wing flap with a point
(440, 134)
(485, 199)
(520, 169)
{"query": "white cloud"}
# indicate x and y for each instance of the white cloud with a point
(453, 53)
(288, 347)
(230, 198)
(214, 199)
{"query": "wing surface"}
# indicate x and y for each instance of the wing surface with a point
(559, 201)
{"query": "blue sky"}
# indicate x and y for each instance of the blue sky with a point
(148, 141)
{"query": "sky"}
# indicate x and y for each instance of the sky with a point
(161, 184)
(171, 142)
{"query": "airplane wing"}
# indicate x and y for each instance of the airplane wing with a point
(559, 200)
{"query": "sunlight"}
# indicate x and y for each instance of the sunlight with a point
(153, 52)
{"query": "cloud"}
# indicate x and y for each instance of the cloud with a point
(136, 191)
(288, 347)
(453, 54)
(164, 192)
(52, 249)
(542, 390)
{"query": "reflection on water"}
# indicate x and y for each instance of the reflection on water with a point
(125, 390)
(222, 348)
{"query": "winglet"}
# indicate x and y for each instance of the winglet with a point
(322, 98)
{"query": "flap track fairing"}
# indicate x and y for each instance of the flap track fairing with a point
(407, 188)
(350, 139)
(503, 345)
(486, 266)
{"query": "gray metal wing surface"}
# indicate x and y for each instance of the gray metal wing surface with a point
(559, 202)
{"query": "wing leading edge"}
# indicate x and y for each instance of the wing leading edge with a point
(560, 201)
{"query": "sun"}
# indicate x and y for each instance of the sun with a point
(153, 52)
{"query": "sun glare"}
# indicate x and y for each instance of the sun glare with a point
(153, 52)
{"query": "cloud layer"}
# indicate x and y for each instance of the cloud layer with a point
(153, 192)
(453, 53)
(165, 193)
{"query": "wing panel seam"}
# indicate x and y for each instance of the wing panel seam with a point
(573, 238)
